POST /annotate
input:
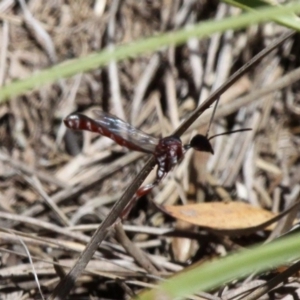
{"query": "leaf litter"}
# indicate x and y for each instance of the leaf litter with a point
(57, 184)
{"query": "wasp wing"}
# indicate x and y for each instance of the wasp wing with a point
(124, 133)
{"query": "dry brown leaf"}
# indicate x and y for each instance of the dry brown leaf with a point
(183, 248)
(220, 215)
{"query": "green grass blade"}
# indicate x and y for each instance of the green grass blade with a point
(93, 61)
(290, 20)
(213, 274)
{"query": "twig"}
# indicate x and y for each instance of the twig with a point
(32, 266)
(112, 67)
(36, 184)
(63, 288)
(140, 257)
(273, 282)
(4, 51)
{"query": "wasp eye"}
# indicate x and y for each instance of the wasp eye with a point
(201, 143)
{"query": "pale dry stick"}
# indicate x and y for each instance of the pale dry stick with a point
(114, 82)
(276, 200)
(232, 148)
(267, 106)
(19, 166)
(271, 284)
(292, 102)
(241, 88)
(11, 236)
(230, 144)
(213, 47)
(188, 161)
(196, 63)
(171, 97)
(151, 69)
(229, 108)
(271, 70)
(99, 7)
(195, 59)
(125, 262)
(220, 191)
(168, 13)
(266, 199)
(54, 244)
(232, 169)
(36, 184)
(248, 170)
(222, 73)
(45, 225)
(146, 112)
(224, 63)
(32, 266)
(28, 121)
(287, 148)
(182, 182)
(68, 105)
(143, 84)
(84, 173)
(6, 4)
(75, 191)
(269, 74)
(242, 290)
(153, 243)
(287, 151)
(209, 75)
(45, 268)
(268, 167)
(14, 20)
(173, 110)
(140, 257)
(183, 12)
(40, 34)
(60, 246)
(90, 206)
(286, 223)
(239, 158)
(72, 169)
(164, 125)
(65, 285)
(3, 53)
(18, 125)
(156, 231)
(248, 164)
(6, 273)
(24, 168)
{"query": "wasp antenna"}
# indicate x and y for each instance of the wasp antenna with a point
(229, 132)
